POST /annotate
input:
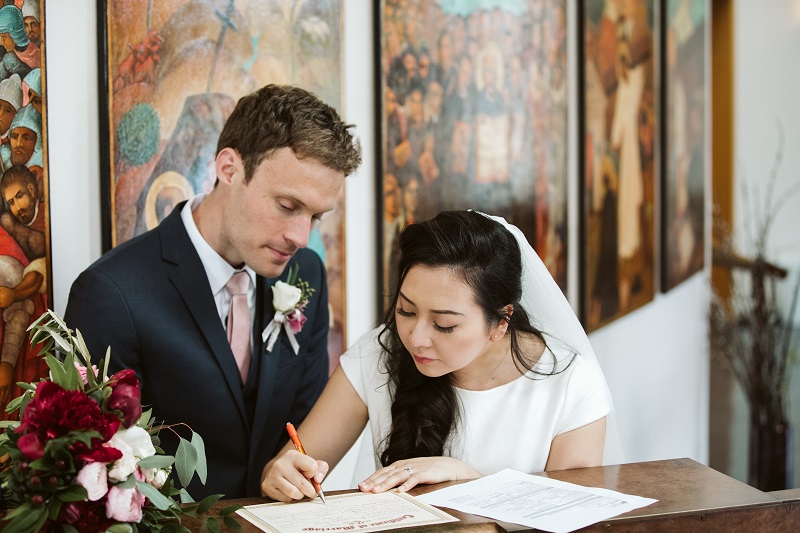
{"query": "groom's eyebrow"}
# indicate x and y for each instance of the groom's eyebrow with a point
(437, 311)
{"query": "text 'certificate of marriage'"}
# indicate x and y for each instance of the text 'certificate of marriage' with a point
(535, 501)
(345, 512)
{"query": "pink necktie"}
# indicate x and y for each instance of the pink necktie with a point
(239, 321)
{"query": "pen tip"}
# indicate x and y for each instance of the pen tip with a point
(322, 497)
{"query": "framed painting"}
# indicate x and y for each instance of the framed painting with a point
(25, 252)
(171, 73)
(473, 107)
(618, 130)
(685, 140)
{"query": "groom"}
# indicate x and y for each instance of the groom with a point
(168, 305)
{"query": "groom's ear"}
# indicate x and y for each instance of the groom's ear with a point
(229, 166)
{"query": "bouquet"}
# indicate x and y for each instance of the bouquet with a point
(83, 457)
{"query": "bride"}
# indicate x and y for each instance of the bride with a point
(481, 365)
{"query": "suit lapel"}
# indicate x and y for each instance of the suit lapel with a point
(191, 282)
(269, 360)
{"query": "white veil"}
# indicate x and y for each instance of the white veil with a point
(549, 309)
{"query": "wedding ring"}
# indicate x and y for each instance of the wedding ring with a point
(408, 469)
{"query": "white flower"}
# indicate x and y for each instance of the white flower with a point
(94, 479)
(139, 440)
(155, 476)
(285, 297)
(135, 444)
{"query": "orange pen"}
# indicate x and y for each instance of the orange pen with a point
(299, 447)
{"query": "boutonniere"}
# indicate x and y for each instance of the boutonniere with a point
(289, 298)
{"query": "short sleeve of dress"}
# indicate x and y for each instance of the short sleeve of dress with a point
(585, 398)
(361, 364)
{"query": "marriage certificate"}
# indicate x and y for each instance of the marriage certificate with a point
(345, 512)
(535, 501)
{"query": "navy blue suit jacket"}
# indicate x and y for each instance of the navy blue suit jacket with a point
(149, 300)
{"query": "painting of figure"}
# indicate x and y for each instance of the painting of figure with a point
(619, 130)
(25, 258)
(474, 115)
(175, 70)
(685, 143)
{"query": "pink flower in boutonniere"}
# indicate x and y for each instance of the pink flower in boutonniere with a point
(289, 298)
(296, 320)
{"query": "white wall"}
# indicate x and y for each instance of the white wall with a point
(767, 85)
(655, 359)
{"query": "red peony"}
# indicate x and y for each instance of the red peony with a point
(125, 396)
(85, 516)
(54, 412)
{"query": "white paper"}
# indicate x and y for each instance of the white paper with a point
(535, 501)
(344, 512)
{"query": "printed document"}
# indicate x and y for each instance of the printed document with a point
(535, 501)
(345, 512)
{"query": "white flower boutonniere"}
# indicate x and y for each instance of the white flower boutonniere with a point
(289, 298)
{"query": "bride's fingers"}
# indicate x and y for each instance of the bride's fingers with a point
(387, 478)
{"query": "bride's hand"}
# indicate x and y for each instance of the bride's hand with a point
(409, 473)
(287, 477)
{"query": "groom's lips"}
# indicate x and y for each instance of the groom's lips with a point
(285, 256)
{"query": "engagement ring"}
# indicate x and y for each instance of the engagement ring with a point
(408, 469)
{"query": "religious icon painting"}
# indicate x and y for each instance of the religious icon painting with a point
(25, 252)
(473, 106)
(173, 72)
(686, 141)
(617, 131)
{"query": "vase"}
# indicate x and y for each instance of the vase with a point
(770, 462)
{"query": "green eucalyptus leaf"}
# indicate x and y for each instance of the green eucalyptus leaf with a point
(185, 496)
(185, 461)
(174, 527)
(229, 510)
(156, 461)
(155, 497)
(232, 523)
(200, 448)
(120, 528)
(144, 420)
(208, 502)
(212, 524)
(129, 482)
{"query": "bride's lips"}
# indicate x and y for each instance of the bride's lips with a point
(421, 360)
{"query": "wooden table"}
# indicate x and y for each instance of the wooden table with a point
(692, 497)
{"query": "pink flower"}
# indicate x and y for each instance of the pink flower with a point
(124, 505)
(296, 320)
(82, 371)
(94, 478)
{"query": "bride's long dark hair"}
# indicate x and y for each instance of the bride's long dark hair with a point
(487, 258)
